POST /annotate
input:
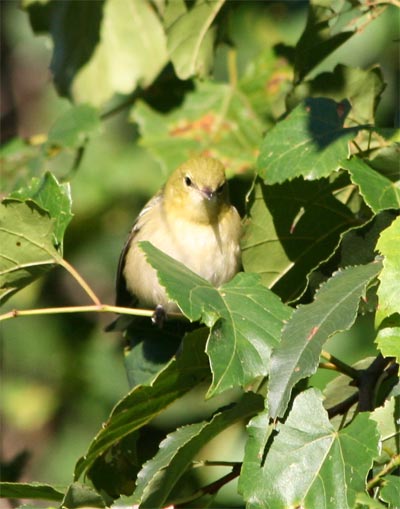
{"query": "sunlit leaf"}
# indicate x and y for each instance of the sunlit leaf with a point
(390, 492)
(244, 316)
(291, 228)
(191, 41)
(379, 192)
(334, 309)
(310, 142)
(51, 196)
(130, 53)
(389, 289)
(214, 120)
(308, 463)
(28, 244)
(160, 474)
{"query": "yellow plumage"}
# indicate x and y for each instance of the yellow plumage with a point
(191, 220)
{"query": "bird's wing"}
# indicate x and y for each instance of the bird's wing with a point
(123, 296)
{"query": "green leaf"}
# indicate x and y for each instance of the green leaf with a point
(131, 53)
(27, 239)
(66, 22)
(143, 403)
(388, 341)
(334, 309)
(389, 289)
(82, 495)
(158, 476)
(36, 491)
(51, 196)
(191, 41)
(215, 119)
(319, 38)
(310, 142)
(149, 349)
(362, 88)
(390, 493)
(245, 319)
(379, 192)
(308, 463)
(291, 228)
(73, 127)
(387, 419)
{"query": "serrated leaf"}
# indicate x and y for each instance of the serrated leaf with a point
(159, 475)
(244, 316)
(310, 142)
(388, 341)
(387, 419)
(334, 309)
(73, 127)
(292, 228)
(390, 492)
(27, 240)
(34, 491)
(308, 463)
(82, 495)
(190, 40)
(379, 192)
(131, 52)
(215, 119)
(389, 289)
(143, 403)
(51, 196)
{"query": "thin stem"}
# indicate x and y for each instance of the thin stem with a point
(75, 274)
(341, 366)
(232, 67)
(209, 463)
(210, 489)
(393, 463)
(98, 308)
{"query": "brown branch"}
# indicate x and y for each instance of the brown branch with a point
(210, 489)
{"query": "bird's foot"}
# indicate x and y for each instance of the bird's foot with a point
(159, 316)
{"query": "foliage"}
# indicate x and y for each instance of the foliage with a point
(320, 250)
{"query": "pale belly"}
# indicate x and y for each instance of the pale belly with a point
(213, 254)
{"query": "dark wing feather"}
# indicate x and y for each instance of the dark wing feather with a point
(123, 296)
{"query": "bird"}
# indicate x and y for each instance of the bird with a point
(190, 219)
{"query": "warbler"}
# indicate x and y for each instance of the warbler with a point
(191, 220)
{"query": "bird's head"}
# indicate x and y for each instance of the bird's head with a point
(197, 190)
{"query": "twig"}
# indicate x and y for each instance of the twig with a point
(340, 366)
(75, 274)
(209, 489)
(393, 463)
(98, 308)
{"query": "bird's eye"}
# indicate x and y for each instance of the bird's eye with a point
(188, 181)
(221, 188)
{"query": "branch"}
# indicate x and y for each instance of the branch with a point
(393, 463)
(98, 308)
(79, 279)
(339, 365)
(210, 489)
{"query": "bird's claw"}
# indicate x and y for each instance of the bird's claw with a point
(159, 316)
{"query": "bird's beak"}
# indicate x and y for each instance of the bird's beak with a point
(207, 192)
